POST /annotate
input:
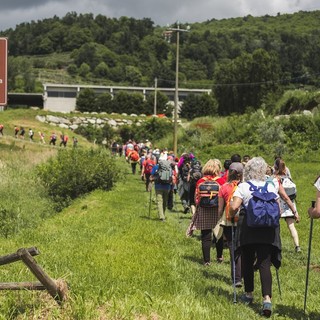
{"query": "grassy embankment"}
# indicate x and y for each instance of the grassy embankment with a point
(122, 264)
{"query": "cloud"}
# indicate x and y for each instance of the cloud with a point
(14, 12)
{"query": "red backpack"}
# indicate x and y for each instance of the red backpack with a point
(134, 156)
(148, 166)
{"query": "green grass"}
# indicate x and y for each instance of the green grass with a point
(121, 264)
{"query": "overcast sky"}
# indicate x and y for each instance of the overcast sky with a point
(162, 12)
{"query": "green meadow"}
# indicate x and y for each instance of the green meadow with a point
(120, 262)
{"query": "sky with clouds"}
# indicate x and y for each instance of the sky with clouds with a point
(162, 12)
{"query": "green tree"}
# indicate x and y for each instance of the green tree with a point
(86, 100)
(198, 106)
(162, 101)
(104, 103)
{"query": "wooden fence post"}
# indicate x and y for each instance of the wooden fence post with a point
(50, 284)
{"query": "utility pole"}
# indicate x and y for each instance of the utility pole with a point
(155, 96)
(176, 95)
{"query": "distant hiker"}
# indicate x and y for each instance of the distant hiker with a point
(74, 142)
(260, 245)
(184, 167)
(41, 135)
(206, 197)
(53, 139)
(194, 175)
(22, 132)
(65, 140)
(1, 129)
(147, 167)
(62, 140)
(31, 134)
(114, 148)
(133, 158)
(16, 131)
(162, 176)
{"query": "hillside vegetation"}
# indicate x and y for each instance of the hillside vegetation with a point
(247, 61)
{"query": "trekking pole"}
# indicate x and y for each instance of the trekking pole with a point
(150, 200)
(233, 262)
(278, 280)
(308, 265)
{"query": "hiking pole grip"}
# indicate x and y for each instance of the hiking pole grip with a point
(308, 265)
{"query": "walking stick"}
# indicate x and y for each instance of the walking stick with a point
(150, 200)
(278, 280)
(233, 262)
(308, 266)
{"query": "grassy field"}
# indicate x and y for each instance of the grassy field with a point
(121, 263)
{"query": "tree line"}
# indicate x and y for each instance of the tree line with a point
(247, 61)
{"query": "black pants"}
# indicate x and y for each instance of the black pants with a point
(227, 232)
(134, 167)
(206, 242)
(257, 256)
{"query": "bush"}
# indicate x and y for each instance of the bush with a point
(76, 172)
(23, 200)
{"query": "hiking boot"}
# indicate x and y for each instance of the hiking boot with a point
(298, 249)
(266, 309)
(220, 260)
(186, 210)
(238, 284)
(245, 299)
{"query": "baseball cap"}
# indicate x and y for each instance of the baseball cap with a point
(236, 166)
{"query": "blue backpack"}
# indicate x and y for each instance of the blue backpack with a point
(263, 209)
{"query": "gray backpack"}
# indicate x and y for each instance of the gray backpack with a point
(164, 173)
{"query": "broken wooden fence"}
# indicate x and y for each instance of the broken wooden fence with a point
(57, 291)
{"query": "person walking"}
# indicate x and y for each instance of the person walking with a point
(16, 131)
(147, 167)
(260, 246)
(184, 167)
(31, 134)
(289, 214)
(22, 132)
(161, 174)
(206, 218)
(235, 175)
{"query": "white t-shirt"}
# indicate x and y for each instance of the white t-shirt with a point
(243, 191)
(317, 184)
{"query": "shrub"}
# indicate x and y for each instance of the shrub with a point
(76, 172)
(23, 200)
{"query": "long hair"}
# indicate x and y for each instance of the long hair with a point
(280, 167)
(255, 169)
(212, 168)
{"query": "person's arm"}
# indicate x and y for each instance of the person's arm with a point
(287, 200)
(235, 206)
(315, 212)
(220, 206)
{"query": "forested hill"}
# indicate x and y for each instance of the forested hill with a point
(268, 51)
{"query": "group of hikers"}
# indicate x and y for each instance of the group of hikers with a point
(238, 204)
(20, 132)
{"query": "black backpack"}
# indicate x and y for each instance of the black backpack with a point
(195, 171)
(185, 171)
